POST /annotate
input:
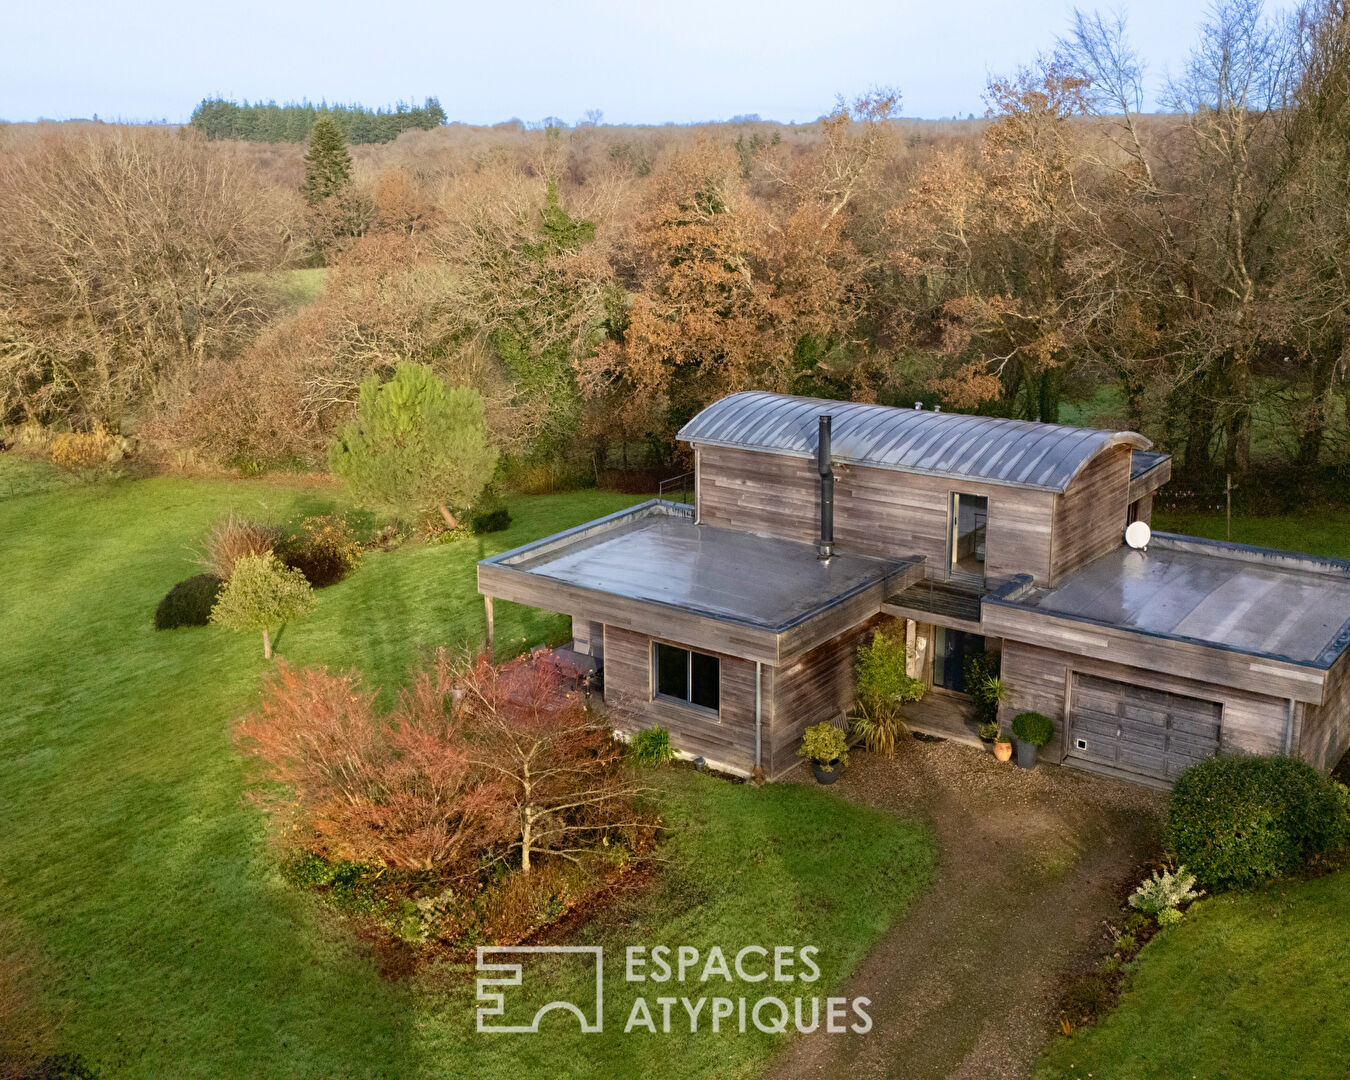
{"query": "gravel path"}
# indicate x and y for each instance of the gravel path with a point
(1031, 863)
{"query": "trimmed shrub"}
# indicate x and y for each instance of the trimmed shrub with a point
(189, 603)
(233, 539)
(1235, 821)
(489, 515)
(1033, 728)
(324, 549)
(261, 594)
(824, 743)
(651, 746)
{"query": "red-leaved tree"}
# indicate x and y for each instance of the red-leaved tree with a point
(561, 770)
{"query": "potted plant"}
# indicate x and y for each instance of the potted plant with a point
(826, 748)
(883, 686)
(989, 731)
(1032, 731)
(1003, 746)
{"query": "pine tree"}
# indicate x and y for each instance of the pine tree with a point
(416, 445)
(328, 166)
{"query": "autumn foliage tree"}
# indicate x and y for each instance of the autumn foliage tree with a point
(398, 790)
(473, 766)
(557, 766)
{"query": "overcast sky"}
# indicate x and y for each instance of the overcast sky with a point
(638, 62)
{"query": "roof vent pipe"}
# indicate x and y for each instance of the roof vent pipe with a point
(918, 406)
(826, 549)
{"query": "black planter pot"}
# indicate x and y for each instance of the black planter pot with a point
(1026, 755)
(826, 774)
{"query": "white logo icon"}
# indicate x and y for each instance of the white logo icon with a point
(494, 1000)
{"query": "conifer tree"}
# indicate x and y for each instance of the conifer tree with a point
(328, 166)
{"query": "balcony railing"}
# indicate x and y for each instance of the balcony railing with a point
(678, 492)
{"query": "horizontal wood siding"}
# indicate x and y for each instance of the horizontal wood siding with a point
(1037, 680)
(1149, 653)
(1324, 735)
(726, 740)
(876, 511)
(1090, 517)
(818, 686)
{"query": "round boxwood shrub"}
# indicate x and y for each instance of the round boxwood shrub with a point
(489, 514)
(189, 602)
(1033, 728)
(1235, 821)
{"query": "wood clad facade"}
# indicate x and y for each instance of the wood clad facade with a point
(818, 687)
(1090, 517)
(726, 739)
(1043, 680)
(889, 513)
(1324, 731)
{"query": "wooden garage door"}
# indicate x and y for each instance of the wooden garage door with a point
(1142, 730)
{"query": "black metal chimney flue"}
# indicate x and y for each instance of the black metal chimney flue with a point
(826, 549)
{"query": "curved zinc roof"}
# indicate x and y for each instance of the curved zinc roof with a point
(1018, 453)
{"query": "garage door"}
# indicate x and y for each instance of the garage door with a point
(1142, 730)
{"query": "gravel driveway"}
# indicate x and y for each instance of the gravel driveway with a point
(1031, 863)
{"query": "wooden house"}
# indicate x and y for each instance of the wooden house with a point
(733, 621)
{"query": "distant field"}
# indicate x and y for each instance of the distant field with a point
(1324, 533)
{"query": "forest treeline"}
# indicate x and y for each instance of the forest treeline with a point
(1068, 257)
(217, 118)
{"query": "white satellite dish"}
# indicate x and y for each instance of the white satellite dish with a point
(1138, 534)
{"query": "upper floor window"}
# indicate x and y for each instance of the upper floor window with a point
(970, 517)
(687, 676)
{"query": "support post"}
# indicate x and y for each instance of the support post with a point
(487, 609)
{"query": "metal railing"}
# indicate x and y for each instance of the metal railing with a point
(681, 486)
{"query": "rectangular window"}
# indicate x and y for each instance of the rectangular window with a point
(970, 517)
(951, 650)
(684, 675)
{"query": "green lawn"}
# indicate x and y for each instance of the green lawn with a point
(131, 860)
(1324, 533)
(1249, 987)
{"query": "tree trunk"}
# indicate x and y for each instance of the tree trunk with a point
(450, 522)
(525, 839)
(267, 645)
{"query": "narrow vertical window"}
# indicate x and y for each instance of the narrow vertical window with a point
(970, 518)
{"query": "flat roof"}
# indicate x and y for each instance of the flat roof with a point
(1143, 462)
(1253, 600)
(661, 557)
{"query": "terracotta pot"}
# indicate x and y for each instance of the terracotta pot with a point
(1003, 751)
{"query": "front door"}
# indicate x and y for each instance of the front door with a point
(951, 650)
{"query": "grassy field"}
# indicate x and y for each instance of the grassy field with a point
(1247, 988)
(132, 862)
(1323, 533)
